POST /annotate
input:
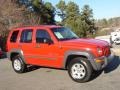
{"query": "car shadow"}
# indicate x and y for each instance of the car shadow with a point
(4, 55)
(95, 74)
(113, 65)
(31, 68)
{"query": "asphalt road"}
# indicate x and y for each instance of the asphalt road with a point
(55, 79)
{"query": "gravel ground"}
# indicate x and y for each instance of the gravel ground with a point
(55, 79)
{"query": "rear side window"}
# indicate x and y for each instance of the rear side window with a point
(26, 36)
(14, 36)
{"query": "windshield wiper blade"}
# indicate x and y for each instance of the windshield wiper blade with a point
(74, 38)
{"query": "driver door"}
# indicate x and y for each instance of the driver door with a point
(45, 53)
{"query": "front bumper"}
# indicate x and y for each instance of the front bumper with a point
(103, 61)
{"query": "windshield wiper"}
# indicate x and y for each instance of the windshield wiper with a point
(69, 38)
(74, 38)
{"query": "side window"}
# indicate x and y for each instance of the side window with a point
(13, 37)
(41, 35)
(26, 36)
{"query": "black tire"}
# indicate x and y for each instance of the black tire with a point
(22, 66)
(86, 69)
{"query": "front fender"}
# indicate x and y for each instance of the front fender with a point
(87, 54)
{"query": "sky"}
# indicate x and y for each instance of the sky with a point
(101, 8)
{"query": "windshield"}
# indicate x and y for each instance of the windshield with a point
(64, 34)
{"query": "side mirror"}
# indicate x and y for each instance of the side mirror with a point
(48, 41)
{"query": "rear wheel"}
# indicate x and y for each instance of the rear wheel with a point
(80, 70)
(18, 65)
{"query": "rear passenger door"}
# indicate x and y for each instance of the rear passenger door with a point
(26, 43)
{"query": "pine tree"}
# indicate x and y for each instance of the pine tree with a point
(80, 22)
(40, 12)
(87, 17)
(72, 17)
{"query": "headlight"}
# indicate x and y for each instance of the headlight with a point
(99, 50)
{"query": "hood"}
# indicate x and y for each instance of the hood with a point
(86, 42)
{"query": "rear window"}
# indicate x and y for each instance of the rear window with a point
(14, 36)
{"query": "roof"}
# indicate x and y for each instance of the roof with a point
(37, 26)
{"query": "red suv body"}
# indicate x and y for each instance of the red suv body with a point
(58, 47)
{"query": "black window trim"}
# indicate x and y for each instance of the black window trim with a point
(42, 30)
(16, 37)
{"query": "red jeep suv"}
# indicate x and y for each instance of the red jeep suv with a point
(57, 47)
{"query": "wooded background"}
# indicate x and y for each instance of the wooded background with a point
(16, 13)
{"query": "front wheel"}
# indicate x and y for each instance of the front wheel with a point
(80, 70)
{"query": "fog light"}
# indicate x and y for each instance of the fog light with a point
(99, 61)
